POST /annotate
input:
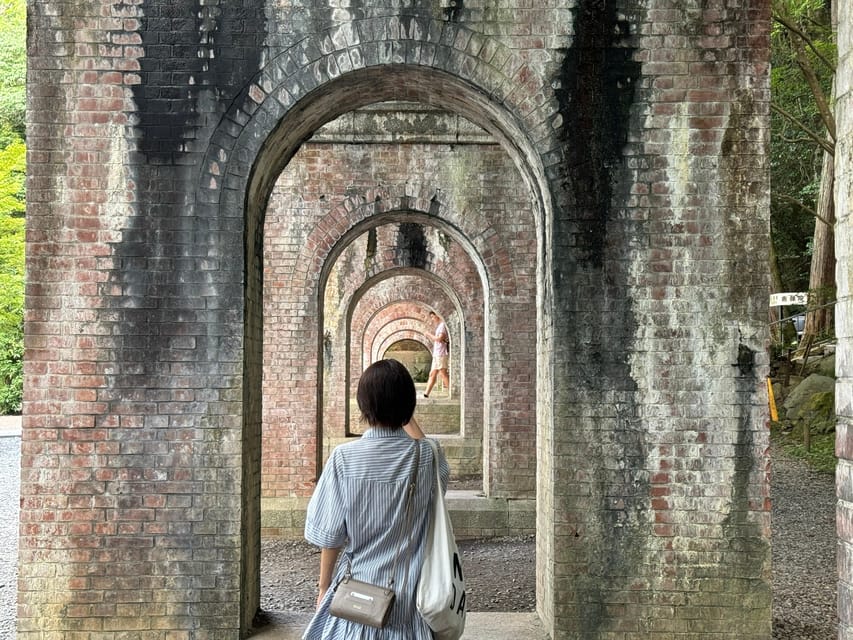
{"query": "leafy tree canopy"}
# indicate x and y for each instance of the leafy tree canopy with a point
(13, 67)
(12, 168)
(803, 52)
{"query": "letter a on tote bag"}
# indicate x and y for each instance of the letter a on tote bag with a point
(441, 588)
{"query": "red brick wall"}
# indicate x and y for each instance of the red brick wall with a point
(420, 263)
(632, 147)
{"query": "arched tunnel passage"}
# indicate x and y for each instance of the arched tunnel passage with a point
(145, 249)
(465, 257)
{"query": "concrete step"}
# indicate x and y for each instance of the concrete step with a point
(479, 626)
(472, 514)
(10, 426)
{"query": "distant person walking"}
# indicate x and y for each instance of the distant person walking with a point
(440, 354)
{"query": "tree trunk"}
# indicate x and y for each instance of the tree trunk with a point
(775, 287)
(821, 317)
(822, 275)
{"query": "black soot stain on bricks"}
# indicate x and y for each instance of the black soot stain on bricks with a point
(595, 91)
(411, 245)
(198, 58)
(190, 48)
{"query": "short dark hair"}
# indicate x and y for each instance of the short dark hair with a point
(386, 394)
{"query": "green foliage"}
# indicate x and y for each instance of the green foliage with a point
(12, 171)
(821, 453)
(11, 373)
(796, 125)
(13, 68)
(11, 236)
(12, 176)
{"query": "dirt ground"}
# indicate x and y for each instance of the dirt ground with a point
(500, 574)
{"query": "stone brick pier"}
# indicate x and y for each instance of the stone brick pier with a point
(233, 208)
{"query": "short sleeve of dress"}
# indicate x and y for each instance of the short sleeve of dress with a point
(325, 520)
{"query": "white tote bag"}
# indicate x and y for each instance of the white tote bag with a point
(441, 588)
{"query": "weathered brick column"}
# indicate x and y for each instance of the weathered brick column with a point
(139, 452)
(660, 239)
(844, 317)
(158, 130)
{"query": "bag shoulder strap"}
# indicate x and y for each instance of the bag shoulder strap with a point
(410, 496)
(434, 446)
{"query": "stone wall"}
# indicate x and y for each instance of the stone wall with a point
(472, 188)
(161, 135)
(844, 319)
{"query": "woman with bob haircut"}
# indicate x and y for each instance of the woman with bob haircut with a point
(359, 507)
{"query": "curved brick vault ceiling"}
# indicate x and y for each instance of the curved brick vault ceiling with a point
(385, 325)
(364, 87)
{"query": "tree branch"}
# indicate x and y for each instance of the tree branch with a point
(826, 145)
(820, 98)
(794, 28)
(804, 207)
(795, 140)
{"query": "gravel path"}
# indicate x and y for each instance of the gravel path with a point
(804, 575)
(804, 540)
(10, 465)
(290, 573)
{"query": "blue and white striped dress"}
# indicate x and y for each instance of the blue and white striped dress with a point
(359, 503)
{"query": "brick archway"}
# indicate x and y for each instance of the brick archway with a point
(465, 318)
(396, 335)
(302, 89)
(389, 320)
(591, 296)
(446, 281)
(419, 205)
(328, 240)
(434, 293)
(639, 133)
